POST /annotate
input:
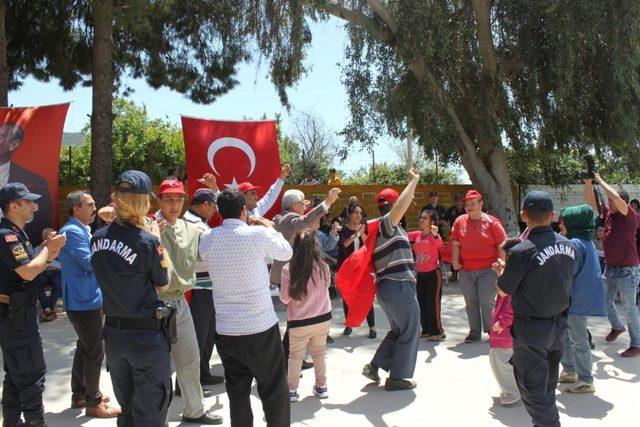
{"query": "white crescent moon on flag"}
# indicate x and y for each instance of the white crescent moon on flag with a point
(228, 141)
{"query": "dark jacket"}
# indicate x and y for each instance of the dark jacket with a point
(36, 184)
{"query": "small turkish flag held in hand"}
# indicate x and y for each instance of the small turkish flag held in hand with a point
(234, 152)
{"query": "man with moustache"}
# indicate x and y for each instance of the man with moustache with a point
(83, 302)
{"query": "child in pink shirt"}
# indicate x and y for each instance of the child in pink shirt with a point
(426, 243)
(501, 343)
(304, 288)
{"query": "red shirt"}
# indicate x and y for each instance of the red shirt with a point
(425, 248)
(620, 248)
(478, 240)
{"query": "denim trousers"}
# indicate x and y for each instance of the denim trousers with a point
(625, 281)
(576, 358)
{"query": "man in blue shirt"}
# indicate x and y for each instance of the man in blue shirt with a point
(83, 302)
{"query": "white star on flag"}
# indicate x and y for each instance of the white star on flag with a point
(234, 183)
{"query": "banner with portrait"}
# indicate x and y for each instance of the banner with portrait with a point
(30, 139)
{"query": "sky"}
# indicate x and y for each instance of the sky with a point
(319, 92)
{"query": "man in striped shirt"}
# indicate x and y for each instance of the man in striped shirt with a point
(396, 291)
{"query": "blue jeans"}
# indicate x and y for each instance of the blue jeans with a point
(52, 278)
(577, 351)
(625, 281)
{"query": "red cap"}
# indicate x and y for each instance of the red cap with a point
(171, 186)
(246, 187)
(472, 194)
(388, 196)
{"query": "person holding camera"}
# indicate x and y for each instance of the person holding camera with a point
(621, 256)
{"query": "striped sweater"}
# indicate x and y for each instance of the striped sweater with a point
(392, 256)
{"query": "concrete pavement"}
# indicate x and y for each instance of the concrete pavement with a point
(455, 383)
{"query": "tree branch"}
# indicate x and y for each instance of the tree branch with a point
(358, 19)
(382, 11)
(482, 10)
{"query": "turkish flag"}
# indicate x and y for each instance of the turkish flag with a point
(356, 278)
(234, 152)
(30, 139)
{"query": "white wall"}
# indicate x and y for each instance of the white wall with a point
(572, 195)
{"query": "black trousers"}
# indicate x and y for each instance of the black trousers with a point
(256, 356)
(24, 369)
(429, 293)
(537, 349)
(371, 316)
(204, 321)
(87, 360)
(140, 369)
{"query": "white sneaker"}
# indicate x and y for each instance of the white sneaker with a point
(293, 396)
(321, 392)
(580, 387)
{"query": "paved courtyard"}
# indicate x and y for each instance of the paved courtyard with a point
(455, 383)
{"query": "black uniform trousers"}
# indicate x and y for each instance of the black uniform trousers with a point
(140, 369)
(537, 349)
(204, 321)
(429, 293)
(87, 360)
(24, 369)
(258, 356)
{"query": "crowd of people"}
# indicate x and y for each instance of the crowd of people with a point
(155, 293)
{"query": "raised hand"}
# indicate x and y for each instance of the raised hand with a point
(209, 180)
(285, 171)
(332, 196)
(414, 174)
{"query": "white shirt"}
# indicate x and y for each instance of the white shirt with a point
(235, 255)
(267, 201)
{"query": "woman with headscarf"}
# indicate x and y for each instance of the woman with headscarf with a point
(587, 299)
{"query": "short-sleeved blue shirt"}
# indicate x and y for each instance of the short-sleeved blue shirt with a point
(15, 251)
(129, 263)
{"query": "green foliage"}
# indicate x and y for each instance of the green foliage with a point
(539, 82)
(310, 151)
(394, 174)
(153, 146)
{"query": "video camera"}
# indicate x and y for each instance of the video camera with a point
(591, 171)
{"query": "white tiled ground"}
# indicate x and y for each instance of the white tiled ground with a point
(455, 383)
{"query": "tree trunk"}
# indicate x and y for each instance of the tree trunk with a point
(491, 178)
(4, 70)
(102, 75)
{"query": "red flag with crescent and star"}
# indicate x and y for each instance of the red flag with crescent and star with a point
(234, 151)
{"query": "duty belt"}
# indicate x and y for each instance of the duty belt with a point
(133, 323)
